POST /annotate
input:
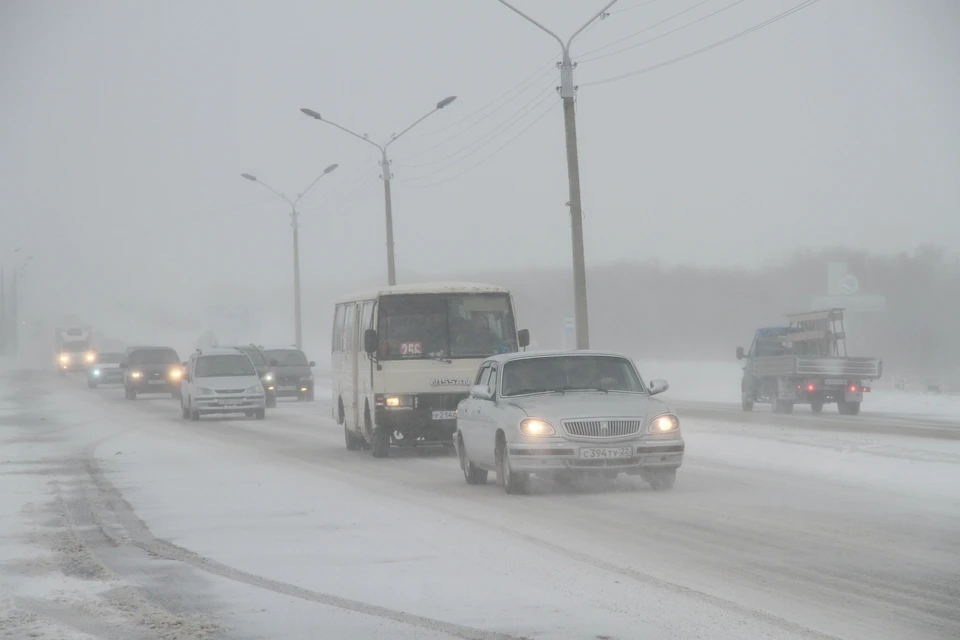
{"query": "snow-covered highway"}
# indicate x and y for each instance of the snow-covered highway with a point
(120, 520)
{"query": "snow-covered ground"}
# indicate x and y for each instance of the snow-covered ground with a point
(121, 521)
(719, 382)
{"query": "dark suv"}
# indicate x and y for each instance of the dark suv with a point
(151, 370)
(292, 375)
(264, 370)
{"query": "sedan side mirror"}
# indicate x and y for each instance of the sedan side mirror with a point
(122, 365)
(523, 337)
(740, 353)
(658, 386)
(312, 363)
(481, 392)
(371, 342)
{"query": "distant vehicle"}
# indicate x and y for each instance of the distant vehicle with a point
(73, 348)
(805, 362)
(221, 380)
(105, 370)
(403, 357)
(293, 377)
(151, 370)
(266, 373)
(558, 414)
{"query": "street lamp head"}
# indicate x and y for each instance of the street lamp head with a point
(312, 113)
(330, 168)
(249, 177)
(445, 102)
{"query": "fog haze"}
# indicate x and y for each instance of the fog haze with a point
(125, 127)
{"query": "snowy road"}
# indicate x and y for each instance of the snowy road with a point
(121, 521)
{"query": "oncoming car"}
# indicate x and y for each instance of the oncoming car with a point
(292, 373)
(151, 370)
(558, 414)
(105, 370)
(266, 374)
(221, 381)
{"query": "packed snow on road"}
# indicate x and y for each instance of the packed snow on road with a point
(122, 520)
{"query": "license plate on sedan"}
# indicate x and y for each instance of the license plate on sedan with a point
(606, 453)
(444, 415)
(156, 381)
(287, 388)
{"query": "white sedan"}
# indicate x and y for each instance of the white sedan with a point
(557, 414)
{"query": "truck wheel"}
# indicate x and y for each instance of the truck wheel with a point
(381, 443)
(746, 402)
(782, 406)
(350, 439)
(848, 408)
(471, 473)
(816, 406)
(185, 412)
(662, 480)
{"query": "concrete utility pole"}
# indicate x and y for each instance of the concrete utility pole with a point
(295, 223)
(567, 93)
(385, 167)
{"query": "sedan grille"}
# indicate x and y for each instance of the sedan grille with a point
(225, 391)
(602, 428)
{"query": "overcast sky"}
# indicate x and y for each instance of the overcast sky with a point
(124, 127)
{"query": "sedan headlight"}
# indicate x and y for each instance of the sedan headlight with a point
(136, 374)
(536, 427)
(664, 424)
(64, 358)
(268, 377)
(203, 391)
(176, 374)
(90, 357)
(96, 372)
(254, 390)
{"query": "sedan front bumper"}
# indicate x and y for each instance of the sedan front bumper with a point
(565, 455)
(229, 404)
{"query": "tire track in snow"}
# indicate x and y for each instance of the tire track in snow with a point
(139, 535)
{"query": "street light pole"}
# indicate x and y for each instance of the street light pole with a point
(295, 223)
(385, 166)
(567, 93)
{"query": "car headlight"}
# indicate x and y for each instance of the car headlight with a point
(664, 424)
(91, 356)
(64, 358)
(176, 374)
(96, 372)
(254, 390)
(136, 374)
(203, 391)
(536, 427)
(268, 377)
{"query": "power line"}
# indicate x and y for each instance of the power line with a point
(779, 16)
(461, 159)
(550, 108)
(468, 128)
(664, 35)
(538, 98)
(540, 70)
(644, 30)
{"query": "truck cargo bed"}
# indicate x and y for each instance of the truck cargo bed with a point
(840, 367)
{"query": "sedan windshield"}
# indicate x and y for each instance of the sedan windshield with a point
(75, 346)
(286, 357)
(569, 373)
(109, 358)
(255, 355)
(225, 365)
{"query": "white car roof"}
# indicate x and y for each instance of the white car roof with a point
(525, 355)
(425, 287)
(219, 351)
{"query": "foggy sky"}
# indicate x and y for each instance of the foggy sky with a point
(124, 127)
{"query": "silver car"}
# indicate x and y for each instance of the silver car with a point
(565, 413)
(221, 381)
